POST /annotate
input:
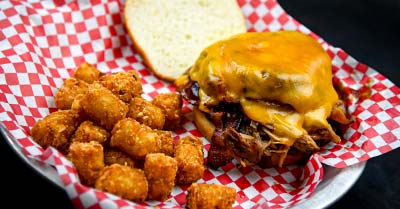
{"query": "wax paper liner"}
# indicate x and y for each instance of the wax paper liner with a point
(42, 42)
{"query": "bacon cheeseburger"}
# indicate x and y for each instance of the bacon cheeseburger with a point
(263, 97)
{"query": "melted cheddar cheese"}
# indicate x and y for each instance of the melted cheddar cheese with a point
(256, 69)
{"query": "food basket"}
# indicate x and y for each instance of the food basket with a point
(42, 42)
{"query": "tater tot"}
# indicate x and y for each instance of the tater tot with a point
(134, 138)
(124, 181)
(167, 142)
(56, 129)
(88, 160)
(66, 93)
(160, 172)
(76, 103)
(189, 155)
(125, 85)
(209, 196)
(87, 72)
(146, 113)
(103, 107)
(112, 156)
(88, 131)
(171, 105)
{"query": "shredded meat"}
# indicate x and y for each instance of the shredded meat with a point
(218, 156)
(249, 142)
(338, 113)
(306, 144)
(236, 136)
(247, 149)
(190, 91)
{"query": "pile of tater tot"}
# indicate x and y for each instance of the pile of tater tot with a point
(122, 143)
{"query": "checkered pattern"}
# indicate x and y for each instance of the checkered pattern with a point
(42, 42)
(373, 101)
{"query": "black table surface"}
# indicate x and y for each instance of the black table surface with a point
(366, 29)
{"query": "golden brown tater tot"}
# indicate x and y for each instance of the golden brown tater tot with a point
(189, 155)
(167, 142)
(146, 113)
(112, 156)
(134, 138)
(125, 85)
(76, 106)
(88, 131)
(124, 181)
(171, 105)
(209, 196)
(103, 107)
(56, 129)
(160, 172)
(66, 93)
(88, 160)
(87, 72)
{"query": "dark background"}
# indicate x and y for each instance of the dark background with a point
(368, 30)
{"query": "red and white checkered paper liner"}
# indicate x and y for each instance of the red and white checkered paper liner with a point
(42, 42)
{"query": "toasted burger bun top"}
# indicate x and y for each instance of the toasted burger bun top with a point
(281, 79)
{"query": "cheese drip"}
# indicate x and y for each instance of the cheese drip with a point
(284, 67)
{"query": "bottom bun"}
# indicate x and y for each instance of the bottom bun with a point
(203, 124)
